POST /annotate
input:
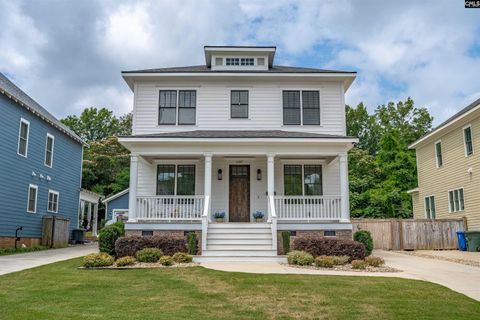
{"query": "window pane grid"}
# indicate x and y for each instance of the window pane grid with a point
(167, 107)
(185, 180)
(186, 106)
(239, 104)
(23, 138)
(456, 200)
(165, 180)
(32, 199)
(438, 149)
(293, 180)
(468, 140)
(313, 180)
(291, 107)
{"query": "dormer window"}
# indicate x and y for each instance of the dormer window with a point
(240, 61)
(247, 62)
(233, 61)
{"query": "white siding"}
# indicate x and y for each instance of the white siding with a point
(265, 105)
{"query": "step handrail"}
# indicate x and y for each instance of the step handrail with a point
(272, 219)
(205, 221)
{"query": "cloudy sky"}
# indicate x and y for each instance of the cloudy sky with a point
(68, 54)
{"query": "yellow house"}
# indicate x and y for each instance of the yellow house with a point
(448, 162)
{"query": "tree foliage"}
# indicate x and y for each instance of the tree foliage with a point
(381, 167)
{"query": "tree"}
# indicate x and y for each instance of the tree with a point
(97, 124)
(381, 167)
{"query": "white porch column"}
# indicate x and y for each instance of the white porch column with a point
(132, 195)
(89, 215)
(270, 174)
(207, 190)
(95, 219)
(344, 191)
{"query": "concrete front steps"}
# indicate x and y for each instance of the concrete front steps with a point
(239, 242)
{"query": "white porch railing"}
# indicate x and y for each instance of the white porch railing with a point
(205, 221)
(272, 219)
(302, 208)
(174, 208)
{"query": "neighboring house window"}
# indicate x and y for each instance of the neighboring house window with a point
(171, 100)
(430, 207)
(52, 201)
(32, 198)
(239, 104)
(438, 154)
(456, 200)
(302, 180)
(232, 61)
(175, 179)
(49, 150)
(467, 135)
(23, 137)
(301, 109)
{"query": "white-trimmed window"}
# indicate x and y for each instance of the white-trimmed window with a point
(456, 200)
(468, 140)
(302, 180)
(49, 150)
(430, 207)
(52, 201)
(239, 104)
(438, 154)
(232, 61)
(301, 107)
(177, 107)
(176, 179)
(32, 198)
(23, 133)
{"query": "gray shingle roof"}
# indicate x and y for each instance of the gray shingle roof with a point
(204, 68)
(12, 91)
(244, 134)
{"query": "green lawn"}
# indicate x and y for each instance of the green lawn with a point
(60, 291)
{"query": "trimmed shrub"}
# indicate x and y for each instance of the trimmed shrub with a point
(374, 261)
(109, 235)
(286, 241)
(128, 246)
(166, 261)
(359, 264)
(300, 258)
(100, 259)
(150, 255)
(340, 260)
(192, 243)
(125, 261)
(182, 257)
(324, 262)
(364, 236)
(318, 245)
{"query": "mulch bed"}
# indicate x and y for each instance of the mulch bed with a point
(143, 265)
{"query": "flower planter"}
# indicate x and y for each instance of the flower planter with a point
(259, 220)
(220, 220)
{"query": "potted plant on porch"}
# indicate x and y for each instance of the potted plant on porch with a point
(219, 216)
(258, 216)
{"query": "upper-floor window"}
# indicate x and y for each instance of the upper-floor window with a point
(456, 200)
(177, 107)
(49, 150)
(430, 207)
(52, 201)
(438, 154)
(32, 198)
(467, 136)
(175, 179)
(239, 104)
(232, 61)
(302, 180)
(239, 61)
(301, 107)
(23, 133)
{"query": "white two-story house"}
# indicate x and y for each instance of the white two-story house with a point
(239, 135)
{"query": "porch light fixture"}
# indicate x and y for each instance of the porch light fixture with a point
(219, 174)
(259, 174)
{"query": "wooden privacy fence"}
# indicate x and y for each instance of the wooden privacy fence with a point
(412, 234)
(55, 231)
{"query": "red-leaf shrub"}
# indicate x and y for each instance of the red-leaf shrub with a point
(128, 246)
(322, 246)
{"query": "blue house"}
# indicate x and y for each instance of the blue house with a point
(116, 207)
(40, 167)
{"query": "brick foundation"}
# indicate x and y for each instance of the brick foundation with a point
(339, 234)
(9, 242)
(176, 233)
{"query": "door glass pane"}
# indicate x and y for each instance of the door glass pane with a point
(185, 180)
(166, 179)
(292, 177)
(313, 180)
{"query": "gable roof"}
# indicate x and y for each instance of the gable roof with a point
(457, 116)
(116, 195)
(204, 69)
(13, 92)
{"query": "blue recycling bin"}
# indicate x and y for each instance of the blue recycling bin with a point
(462, 241)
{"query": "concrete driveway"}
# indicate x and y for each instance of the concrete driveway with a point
(458, 277)
(22, 261)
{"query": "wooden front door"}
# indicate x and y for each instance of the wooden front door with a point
(239, 194)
